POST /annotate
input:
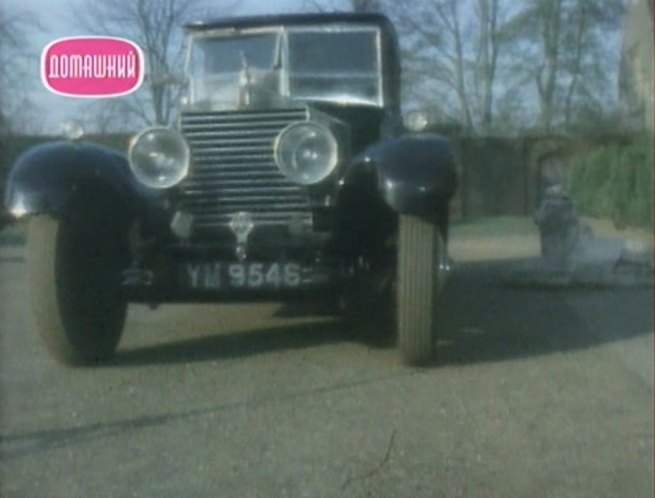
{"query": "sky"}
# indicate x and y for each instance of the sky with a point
(54, 17)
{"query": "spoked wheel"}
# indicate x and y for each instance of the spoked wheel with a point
(422, 267)
(74, 267)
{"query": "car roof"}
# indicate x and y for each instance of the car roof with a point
(290, 20)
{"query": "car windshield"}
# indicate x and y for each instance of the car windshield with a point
(218, 67)
(335, 65)
(259, 69)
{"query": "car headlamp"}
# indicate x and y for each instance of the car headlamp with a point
(159, 157)
(306, 152)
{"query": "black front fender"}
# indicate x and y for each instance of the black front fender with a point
(415, 173)
(43, 178)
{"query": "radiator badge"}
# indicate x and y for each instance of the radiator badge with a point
(241, 224)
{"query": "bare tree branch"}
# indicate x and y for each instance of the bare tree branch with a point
(569, 39)
(16, 108)
(156, 25)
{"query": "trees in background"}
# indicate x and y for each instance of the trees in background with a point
(156, 26)
(497, 64)
(490, 65)
(16, 78)
(434, 36)
(453, 48)
(15, 81)
(491, 22)
(570, 55)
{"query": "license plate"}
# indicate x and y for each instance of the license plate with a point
(247, 275)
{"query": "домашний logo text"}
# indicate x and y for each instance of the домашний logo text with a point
(92, 67)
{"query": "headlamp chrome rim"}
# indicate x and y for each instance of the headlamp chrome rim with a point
(332, 159)
(182, 162)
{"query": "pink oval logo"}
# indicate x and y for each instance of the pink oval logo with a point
(92, 67)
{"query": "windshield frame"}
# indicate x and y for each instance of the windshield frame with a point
(282, 49)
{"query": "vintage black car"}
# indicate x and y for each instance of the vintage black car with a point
(289, 172)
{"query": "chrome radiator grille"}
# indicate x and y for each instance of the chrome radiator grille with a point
(233, 169)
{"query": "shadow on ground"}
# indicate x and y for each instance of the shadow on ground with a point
(481, 320)
(484, 320)
(234, 345)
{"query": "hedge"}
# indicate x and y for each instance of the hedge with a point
(616, 182)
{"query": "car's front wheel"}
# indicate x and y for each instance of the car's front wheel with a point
(422, 267)
(74, 268)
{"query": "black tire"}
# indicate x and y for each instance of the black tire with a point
(421, 259)
(74, 272)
